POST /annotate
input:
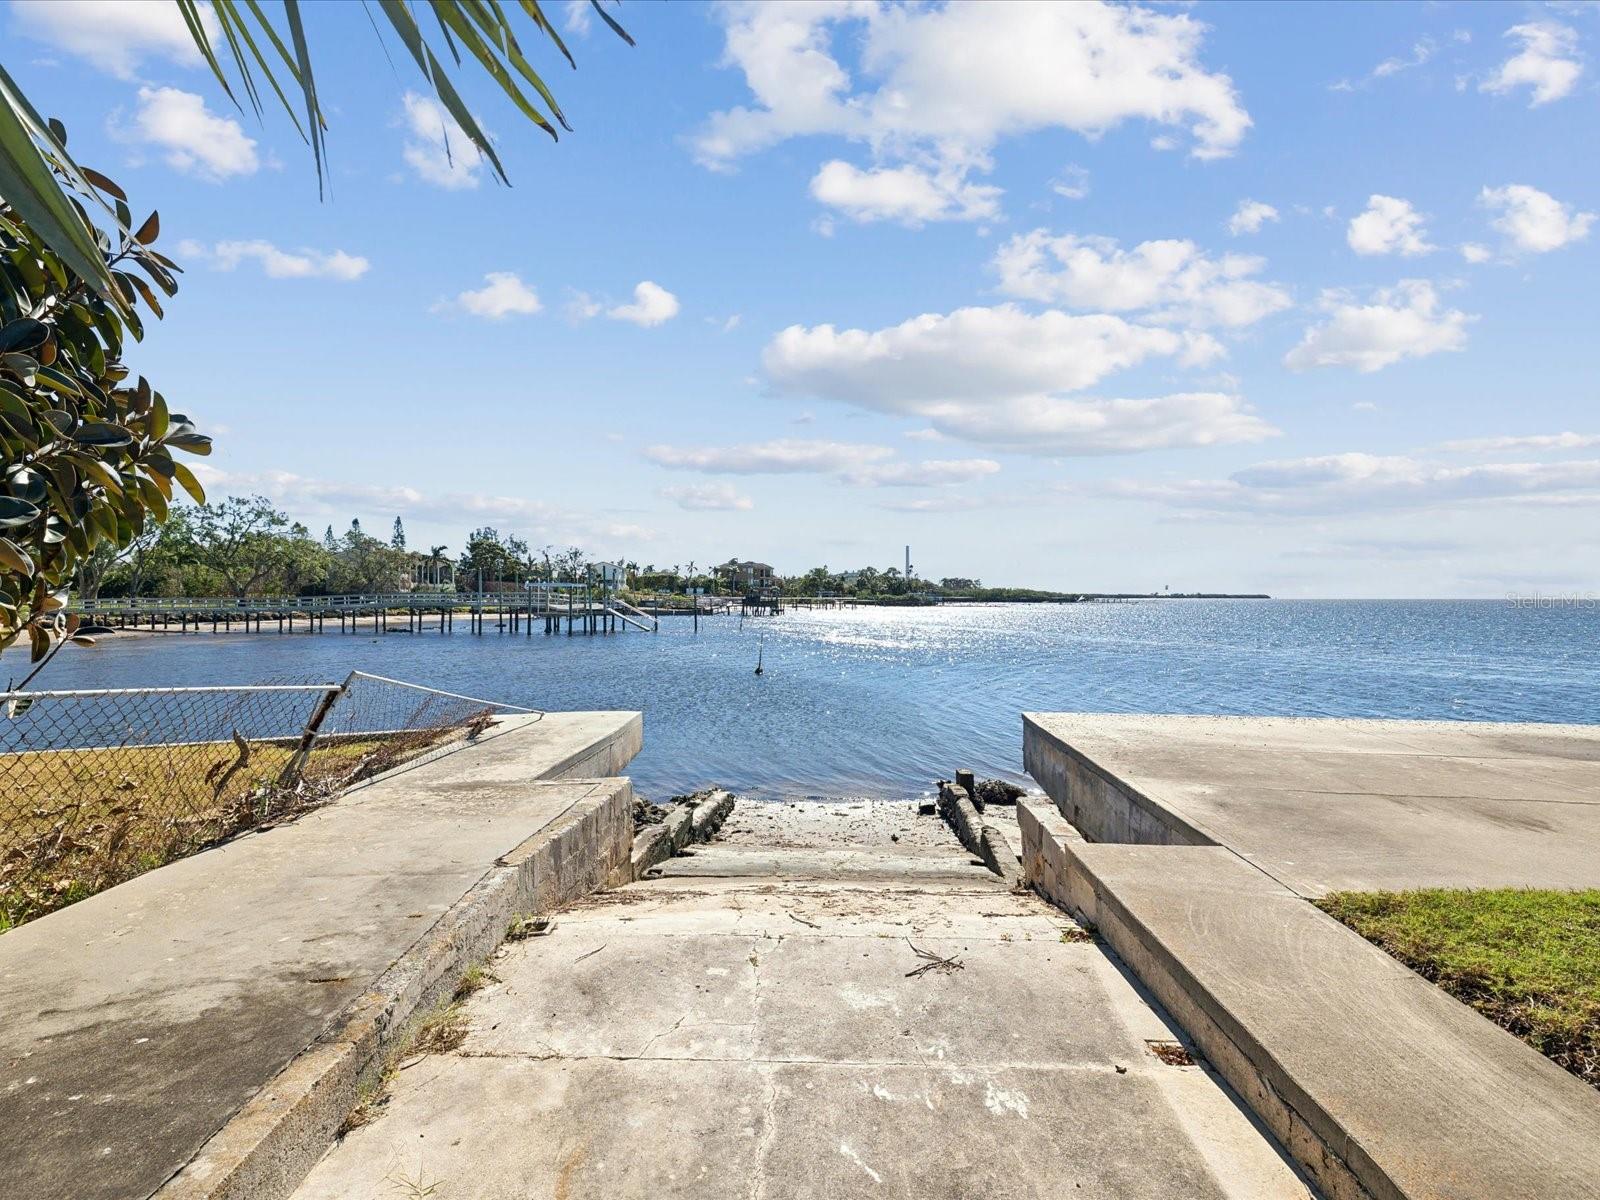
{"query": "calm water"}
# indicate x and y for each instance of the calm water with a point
(881, 701)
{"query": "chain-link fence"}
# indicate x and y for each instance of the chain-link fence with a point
(97, 786)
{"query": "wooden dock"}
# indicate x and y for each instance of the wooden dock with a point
(548, 607)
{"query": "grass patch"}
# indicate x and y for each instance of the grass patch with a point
(1527, 959)
(75, 822)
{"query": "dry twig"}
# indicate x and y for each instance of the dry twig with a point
(934, 962)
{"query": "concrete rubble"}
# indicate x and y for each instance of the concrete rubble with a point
(667, 831)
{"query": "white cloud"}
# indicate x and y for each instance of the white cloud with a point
(1423, 51)
(1172, 280)
(936, 472)
(280, 264)
(949, 502)
(969, 355)
(784, 456)
(854, 463)
(708, 497)
(436, 148)
(1072, 183)
(1401, 322)
(115, 35)
(581, 306)
(1388, 226)
(938, 87)
(996, 376)
(963, 76)
(1250, 216)
(652, 305)
(1475, 252)
(580, 17)
(194, 139)
(1534, 221)
(309, 498)
(907, 194)
(1537, 441)
(1333, 484)
(502, 295)
(1547, 63)
(1058, 426)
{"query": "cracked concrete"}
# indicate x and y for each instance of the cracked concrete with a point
(747, 1024)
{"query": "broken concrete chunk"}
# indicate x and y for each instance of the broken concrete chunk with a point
(709, 814)
(679, 825)
(996, 851)
(652, 845)
(957, 810)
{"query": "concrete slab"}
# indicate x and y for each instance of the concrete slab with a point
(826, 999)
(140, 1020)
(489, 1129)
(1368, 1072)
(757, 1033)
(915, 1132)
(1325, 805)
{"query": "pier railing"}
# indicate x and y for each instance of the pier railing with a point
(539, 598)
(99, 785)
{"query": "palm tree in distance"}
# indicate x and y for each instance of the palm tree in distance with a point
(436, 561)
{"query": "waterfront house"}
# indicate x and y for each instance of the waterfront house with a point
(746, 576)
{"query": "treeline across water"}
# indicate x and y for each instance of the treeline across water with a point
(245, 546)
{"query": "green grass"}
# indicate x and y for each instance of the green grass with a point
(1527, 959)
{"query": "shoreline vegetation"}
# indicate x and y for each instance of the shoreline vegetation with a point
(676, 600)
(244, 548)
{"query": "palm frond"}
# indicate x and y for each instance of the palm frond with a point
(478, 35)
(28, 146)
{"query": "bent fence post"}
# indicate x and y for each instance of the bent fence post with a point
(308, 736)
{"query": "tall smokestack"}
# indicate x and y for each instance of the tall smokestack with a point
(908, 564)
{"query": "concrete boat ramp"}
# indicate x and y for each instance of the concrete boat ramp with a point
(762, 1020)
(451, 983)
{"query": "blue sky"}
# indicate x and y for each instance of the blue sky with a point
(1289, 298)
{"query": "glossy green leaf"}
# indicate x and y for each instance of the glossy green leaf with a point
(102, 433)
(14, 558)
(14, 511)
(190, 484)
(23, 334)
(194, 443)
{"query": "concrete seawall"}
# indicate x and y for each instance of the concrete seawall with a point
(1192, 845)
(1103, 807)
(204, 1029)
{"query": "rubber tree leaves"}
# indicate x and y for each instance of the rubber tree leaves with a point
(86, 457)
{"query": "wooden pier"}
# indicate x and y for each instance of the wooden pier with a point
(581, 610)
